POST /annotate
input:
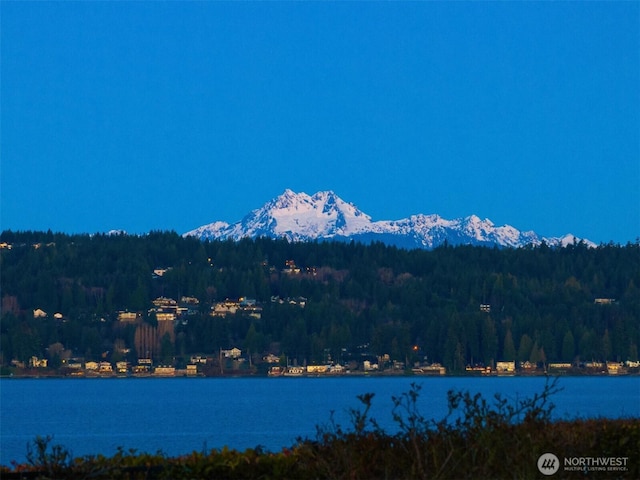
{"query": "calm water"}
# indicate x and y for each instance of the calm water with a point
(91, 416)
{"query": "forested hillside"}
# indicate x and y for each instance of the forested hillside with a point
(453, 305)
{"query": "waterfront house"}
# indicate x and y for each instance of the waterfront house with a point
(433, 369)
(337, 368)
(91, 365)
(36, 362)
(506, 368)
(317, 368)
(294, 371)
(528, 366)
(478, 369)
(595, 367)
(105, 367)
(615, 368)
(559, 367)
(164, 371)
(368, 366)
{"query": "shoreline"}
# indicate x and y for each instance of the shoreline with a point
(341, 375)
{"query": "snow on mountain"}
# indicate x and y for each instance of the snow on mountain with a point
(568, 239)
(324, 215)
(295, 216)
(298, 216)
(211, 231)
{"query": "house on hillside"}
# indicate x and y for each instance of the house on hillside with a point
(271, 358)
(124, 316)
(604, 301)
(222, 309)
(165, 316)
(291, 268)
(159, 272)
(232, 353)
(244, 306)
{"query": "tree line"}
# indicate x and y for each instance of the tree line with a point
(452, 305)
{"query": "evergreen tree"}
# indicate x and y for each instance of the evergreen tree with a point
(509, 349)
(166, 350)
(356, 295)
(489, 341)
(524, 348)
(568, 347)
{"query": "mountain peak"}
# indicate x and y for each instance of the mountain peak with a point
(324, 215)
(288, 197)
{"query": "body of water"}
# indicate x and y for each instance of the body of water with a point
(177, 416)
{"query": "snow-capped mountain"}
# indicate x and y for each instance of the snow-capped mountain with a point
(324, 215)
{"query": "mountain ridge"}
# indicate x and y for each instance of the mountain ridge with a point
(326, 216)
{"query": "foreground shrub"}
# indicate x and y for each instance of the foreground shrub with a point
(476, 439)
(131, 465)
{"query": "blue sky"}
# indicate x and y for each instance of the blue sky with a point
(169, 115)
